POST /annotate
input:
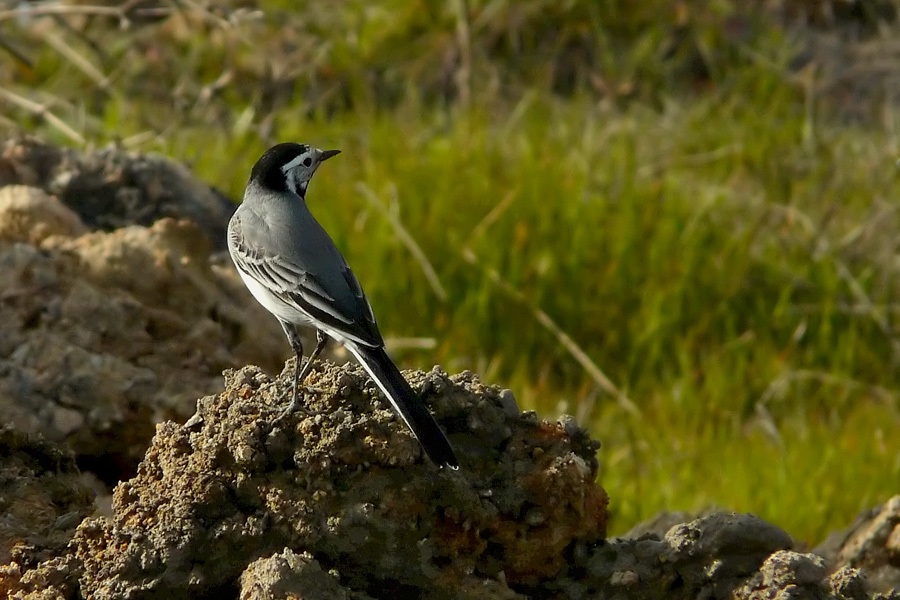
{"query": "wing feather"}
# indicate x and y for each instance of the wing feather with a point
(297, 287)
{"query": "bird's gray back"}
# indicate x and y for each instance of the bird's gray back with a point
(282, 227)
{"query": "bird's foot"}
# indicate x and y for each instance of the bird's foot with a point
(294, 404)
(309, 389)
(291, 407)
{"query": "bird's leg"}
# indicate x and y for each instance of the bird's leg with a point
(321, 342)
(297, 346)
(300, 374)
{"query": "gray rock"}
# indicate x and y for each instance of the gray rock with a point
(287, 575)
(109, 189)
(872, 542)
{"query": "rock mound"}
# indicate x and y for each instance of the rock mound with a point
(110, 188)
(106, 333)
(872, 543)
(339, 494)
(337, 501)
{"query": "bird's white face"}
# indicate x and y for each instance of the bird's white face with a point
(299, 170)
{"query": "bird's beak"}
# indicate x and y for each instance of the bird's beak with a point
(326, 154)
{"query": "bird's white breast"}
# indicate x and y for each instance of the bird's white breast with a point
(273, 304)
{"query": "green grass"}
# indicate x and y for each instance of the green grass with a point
(728, 258)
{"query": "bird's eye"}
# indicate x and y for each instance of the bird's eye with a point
(307, 161)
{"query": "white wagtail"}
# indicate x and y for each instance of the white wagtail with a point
(294, 270)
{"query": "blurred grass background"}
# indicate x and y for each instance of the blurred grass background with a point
(676, 220)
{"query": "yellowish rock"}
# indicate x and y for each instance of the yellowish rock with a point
(28, 214)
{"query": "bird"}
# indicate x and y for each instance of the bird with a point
(292, 267)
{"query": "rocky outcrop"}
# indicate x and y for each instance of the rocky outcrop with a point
(337, 501)
(111, 188)
(871, 543)
(105, 334)
(340, 487)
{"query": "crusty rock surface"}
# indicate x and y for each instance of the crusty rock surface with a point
(105, 334)
(346, 482)
(872, 543)
(290, 575)
(337, 501)
(28, 214)
(42, 498)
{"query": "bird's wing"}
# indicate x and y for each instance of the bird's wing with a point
(336, 300)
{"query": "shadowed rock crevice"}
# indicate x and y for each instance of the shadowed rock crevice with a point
(42, 498)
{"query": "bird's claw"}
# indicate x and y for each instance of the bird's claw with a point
(291, 407)
(294, 404)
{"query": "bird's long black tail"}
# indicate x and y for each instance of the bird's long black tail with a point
(387, 376)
